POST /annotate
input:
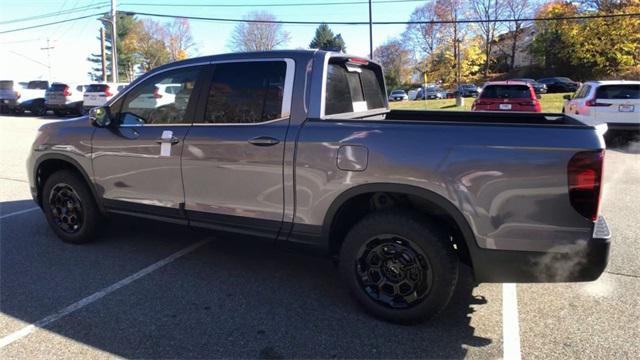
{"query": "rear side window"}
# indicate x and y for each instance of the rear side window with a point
(96, 88)
(618, 92)
(583, 92)
(506, 92)
(6, 85)
(38, 85)
(246, 92)
(349, 91)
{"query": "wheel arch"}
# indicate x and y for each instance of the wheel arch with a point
(429, 202)
(49, 163)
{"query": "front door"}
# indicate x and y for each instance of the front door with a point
(232, 162)
(136, 160)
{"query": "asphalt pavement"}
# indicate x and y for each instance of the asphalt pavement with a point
(150, 290)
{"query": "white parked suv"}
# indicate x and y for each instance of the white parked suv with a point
(614, 102)
(98, 94)
(18, 97)
(64, 98)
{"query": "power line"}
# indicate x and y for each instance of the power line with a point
(51, 23)
(56, 13)
(462, 21)
(270, 5)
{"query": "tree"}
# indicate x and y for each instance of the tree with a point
(124, 25)
(324, 39)
(178, 39)
(517, 10)
(424, 37)
(396, 62)
(489, 11)
(146, 41)
(258, 36)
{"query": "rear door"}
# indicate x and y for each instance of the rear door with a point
(618, 103)
(136, 161)
(232, 163)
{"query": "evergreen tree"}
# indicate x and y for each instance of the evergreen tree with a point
(326, 40)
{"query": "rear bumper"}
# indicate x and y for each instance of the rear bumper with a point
(584, 261)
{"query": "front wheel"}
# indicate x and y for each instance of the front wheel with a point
(399, 266)
(70, 208)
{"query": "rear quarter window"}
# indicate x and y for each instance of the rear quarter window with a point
(346, 88)
(506, 92)
(618, 92)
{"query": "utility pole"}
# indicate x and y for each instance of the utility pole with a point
(456, 53)
(103, 54)
(114, 40)
(48, 48)
(370, 33)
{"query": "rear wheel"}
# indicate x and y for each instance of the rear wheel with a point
(399, 266)
(38, 108)
(70, 208)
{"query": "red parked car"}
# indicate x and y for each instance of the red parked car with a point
(507, 96)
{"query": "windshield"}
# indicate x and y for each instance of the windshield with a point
(618, 92)
(353, 91)
(57, 87)
(96, 88)
(6, 85)
(397, 92)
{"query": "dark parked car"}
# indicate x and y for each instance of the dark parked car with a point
(467, 90)
(539, 88)
(301, 149)
(560, 84)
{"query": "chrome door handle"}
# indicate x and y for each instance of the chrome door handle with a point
(172, 140)
(264, 141)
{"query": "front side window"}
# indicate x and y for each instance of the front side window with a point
(246, 92)
(161, 99)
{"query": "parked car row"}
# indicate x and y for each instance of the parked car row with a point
(63, 98)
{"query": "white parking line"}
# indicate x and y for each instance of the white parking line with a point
(19, 212)
(96, 296)
(510, 323)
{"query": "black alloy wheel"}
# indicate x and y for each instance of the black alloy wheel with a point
(393, 271)
(66, 208)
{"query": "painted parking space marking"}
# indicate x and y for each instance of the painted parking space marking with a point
(510, 323)
(19, 212)
(98, 295)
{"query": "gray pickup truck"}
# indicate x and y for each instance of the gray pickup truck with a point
(300, 148)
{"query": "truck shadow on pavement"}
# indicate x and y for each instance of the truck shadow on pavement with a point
(229, 298)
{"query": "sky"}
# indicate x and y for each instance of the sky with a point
(23, 57)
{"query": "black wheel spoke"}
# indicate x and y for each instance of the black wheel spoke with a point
(393, 271)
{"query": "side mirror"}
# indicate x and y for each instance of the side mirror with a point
(100, 117)
(567, 97)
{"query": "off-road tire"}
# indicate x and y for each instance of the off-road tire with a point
(431, 242)
(87, 211)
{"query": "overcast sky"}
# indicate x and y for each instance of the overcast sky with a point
(21, 57)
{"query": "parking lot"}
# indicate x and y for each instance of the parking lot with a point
(148, 290)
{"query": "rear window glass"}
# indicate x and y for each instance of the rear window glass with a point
(618, 92)
(506, 92)
(57, 87)
(6, 85)
(344, 88)
(96, 88)
(38, 85)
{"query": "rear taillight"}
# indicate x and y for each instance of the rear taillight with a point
(585, 182)
(107, 92)
(66, 91)
(156, 93)
(594, 102)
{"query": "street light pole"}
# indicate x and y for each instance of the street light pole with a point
(114, 40)
(370, 33)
